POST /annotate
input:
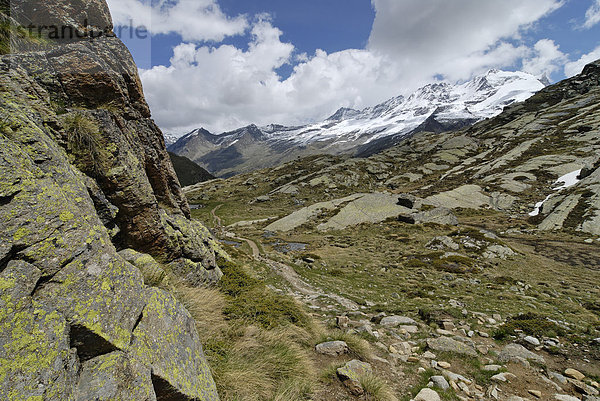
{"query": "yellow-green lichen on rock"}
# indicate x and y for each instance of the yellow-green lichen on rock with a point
(77, 320)
(166, 339)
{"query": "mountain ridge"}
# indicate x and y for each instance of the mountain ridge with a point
(356, 132)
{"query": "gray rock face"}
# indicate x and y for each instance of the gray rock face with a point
(394, 321)
(82, 168)
(446, 344)
(440, 382)
(517, 353)
(351, 373)
(332, 348)
(427, 394)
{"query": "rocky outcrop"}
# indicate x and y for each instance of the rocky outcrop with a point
(83, 174)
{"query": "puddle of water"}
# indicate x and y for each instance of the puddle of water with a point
(232, 243)
(286, 247)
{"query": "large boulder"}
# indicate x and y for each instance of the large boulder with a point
(447, 344)
(84, 171)
(518, 353)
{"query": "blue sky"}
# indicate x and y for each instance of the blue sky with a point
(222, 64)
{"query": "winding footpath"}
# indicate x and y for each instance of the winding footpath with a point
(310, 293)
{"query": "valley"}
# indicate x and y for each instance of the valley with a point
(437, 233)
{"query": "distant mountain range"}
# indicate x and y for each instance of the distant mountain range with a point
(436, 108)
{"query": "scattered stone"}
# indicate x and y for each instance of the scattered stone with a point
(492, 368)
(342, 322)
(503, 377)
(442, 243)
(332, 348)
(440, 382)
(263, 198)
(483, 334)
(518, 353)
(532, 341)
(583, 388)
(444, 365)
(445, 344)
(563, 397)
(394, 321)
(428, 355)
(498, 252)
(427, 394)
(412, 359)
(351, 373)
(409, 329)
(455, 378)
(464, 388)
(449, 326)
(558, 377)
(403, 348)
(574, 374)
(535, 393)
(482, 349)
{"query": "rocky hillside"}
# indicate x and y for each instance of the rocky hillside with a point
(434, 108)
(468, 260)
(94, 221)
(188, 172)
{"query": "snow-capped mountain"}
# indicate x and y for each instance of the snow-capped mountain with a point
(436, 107)
(170, 139)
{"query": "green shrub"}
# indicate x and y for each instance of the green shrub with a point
(531, 324)
(235, 280)
(263, 307)
(251, 301)
(83, 141)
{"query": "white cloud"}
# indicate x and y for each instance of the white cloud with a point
(592, 15)
(575, 67)
(546, 59)
(440, 36)
(194, 20)
(222, 87)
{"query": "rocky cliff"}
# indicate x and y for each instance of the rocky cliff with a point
(86, 187)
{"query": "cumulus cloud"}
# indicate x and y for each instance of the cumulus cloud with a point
(546, 59)
(575, 67)
(194, 20)
(440, 36)
(592, 15)
(222, 87)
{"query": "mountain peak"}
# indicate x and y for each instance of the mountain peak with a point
(343, 113)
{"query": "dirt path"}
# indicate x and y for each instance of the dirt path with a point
(303, 287)
(216, 219)
(287, 272)
(253, 246)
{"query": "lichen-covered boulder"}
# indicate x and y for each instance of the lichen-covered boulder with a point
(166, 339)
(351, 373)
(115, 377)
(84, 171)
(36, 361)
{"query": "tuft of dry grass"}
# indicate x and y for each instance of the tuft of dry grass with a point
(376, 389)
(206, 307)
(264, 365)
